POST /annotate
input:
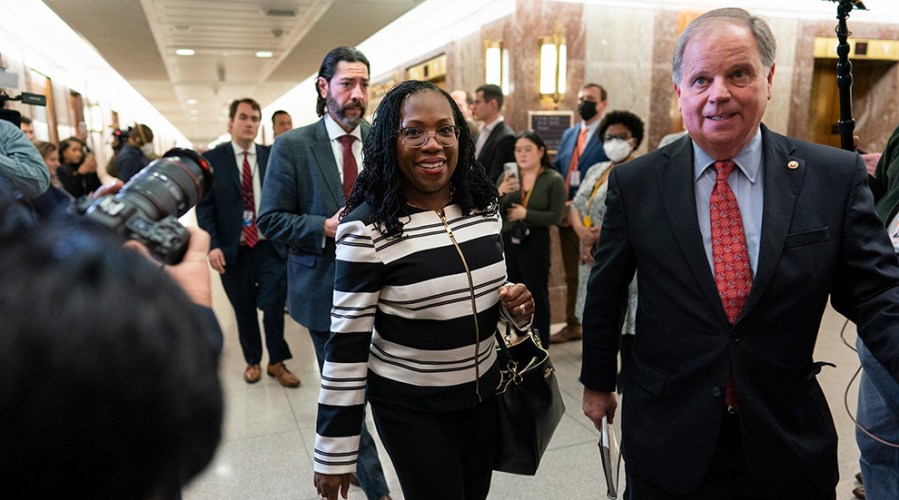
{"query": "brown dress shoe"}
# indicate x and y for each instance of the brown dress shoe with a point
(280, 372)
(859, 492)
(567, 334)
(252, 374)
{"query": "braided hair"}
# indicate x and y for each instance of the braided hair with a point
(379, 182)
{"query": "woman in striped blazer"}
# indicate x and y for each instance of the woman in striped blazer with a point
(419, 289)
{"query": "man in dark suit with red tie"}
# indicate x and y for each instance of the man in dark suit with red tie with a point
(253, 269)
(311, 172)
(740, 236)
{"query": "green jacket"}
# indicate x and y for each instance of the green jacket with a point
(546, 206)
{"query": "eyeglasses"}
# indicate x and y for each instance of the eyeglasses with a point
(415, 137)
(620, 137)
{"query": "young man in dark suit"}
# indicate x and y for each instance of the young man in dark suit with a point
(740, 236)
(495, 143)
(253, 269)
(311, 172)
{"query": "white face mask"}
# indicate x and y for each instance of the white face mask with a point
(617, 150)
(147, 149)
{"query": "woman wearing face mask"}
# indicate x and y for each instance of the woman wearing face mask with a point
(532, 198)
(78, 172)
(621, 133)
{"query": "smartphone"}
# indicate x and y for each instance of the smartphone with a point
(510, 168)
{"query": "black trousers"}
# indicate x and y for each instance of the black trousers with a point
(528, 262)
(570, 246)
(440, 455)
(726, 478)
(258, 279)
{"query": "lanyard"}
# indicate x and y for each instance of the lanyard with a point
(599, 183)
(526, 195)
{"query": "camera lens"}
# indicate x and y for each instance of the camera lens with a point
(170, 185)
(146, 209)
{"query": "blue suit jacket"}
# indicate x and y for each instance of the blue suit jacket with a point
(302, 189)
(593, 154)
(820, 239)
(221, 214)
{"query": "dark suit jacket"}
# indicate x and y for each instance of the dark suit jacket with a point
(221, 214)
(820, 236)
(499, 149)
(302, 189)
(593, 154)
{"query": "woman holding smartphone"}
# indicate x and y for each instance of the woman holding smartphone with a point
(531, 200)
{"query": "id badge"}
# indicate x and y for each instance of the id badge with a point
(588, 221)
(575, 178)
(248, 218)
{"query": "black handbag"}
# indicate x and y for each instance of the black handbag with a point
(529, 404)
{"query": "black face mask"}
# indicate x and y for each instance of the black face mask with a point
(587, 110)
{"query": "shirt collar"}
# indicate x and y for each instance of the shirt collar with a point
(490, 126)
(238, 150)
(749, 161)
(592, 127)
(335, 131)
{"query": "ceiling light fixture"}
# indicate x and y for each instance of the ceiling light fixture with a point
(192, 101)
(185, 52)
(264, 54)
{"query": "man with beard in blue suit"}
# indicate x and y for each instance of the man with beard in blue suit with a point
(310, 173)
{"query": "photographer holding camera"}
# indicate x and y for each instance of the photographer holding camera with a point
(69, 378)
(21, 166)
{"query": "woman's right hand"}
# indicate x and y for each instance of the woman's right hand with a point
(330, 485)
(509, 184)
(586, 256)
(88, 166)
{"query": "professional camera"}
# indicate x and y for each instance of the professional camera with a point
(14, 116)
(147, 208)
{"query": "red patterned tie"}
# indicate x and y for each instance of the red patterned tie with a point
(350, 168)
(733, 275)
(250, 233)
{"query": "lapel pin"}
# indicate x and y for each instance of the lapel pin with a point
(793, 165)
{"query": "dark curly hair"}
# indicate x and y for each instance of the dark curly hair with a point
(329, 67)
(626, 118)
(378, 183)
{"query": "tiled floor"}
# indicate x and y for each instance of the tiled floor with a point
(269, 431)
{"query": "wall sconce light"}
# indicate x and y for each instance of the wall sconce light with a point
(553, 66)
(496, 65)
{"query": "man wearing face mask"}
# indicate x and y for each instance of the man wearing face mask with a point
(135, 154)
(578, 150)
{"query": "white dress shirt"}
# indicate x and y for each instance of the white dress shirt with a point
(254, 168)
(334, 133)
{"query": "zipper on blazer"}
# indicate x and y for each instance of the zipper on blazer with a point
(474, 307)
